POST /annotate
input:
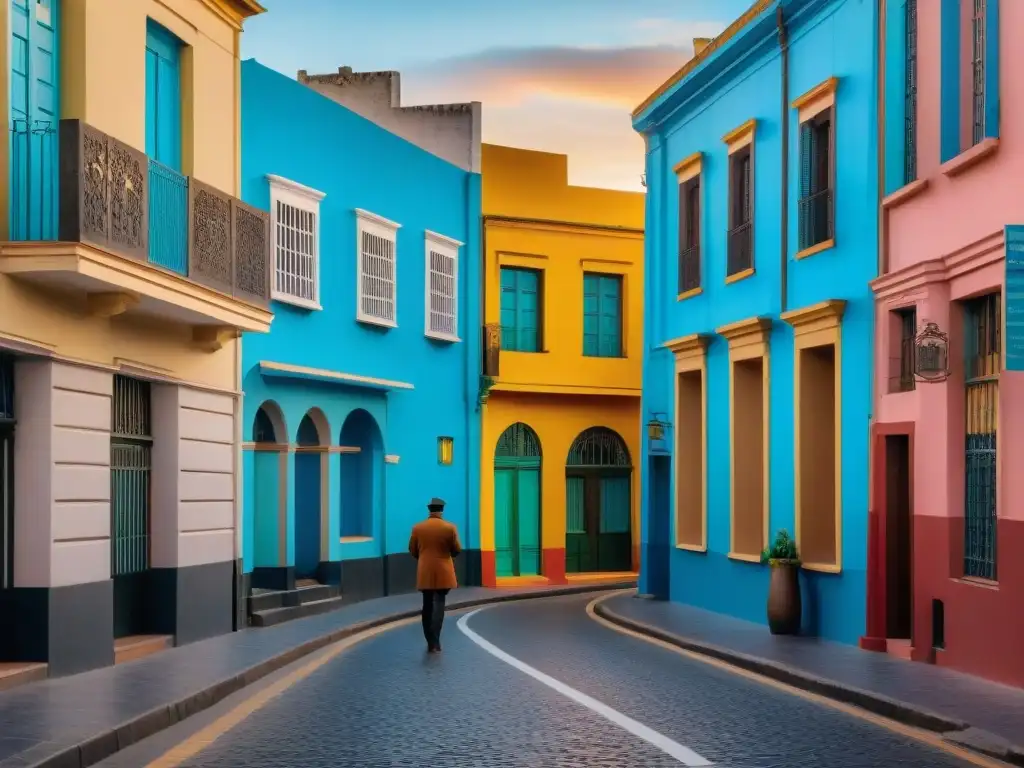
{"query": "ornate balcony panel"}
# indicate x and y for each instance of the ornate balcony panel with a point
(209, 244)
(250, 236)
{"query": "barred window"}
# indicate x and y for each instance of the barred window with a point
(295, 223)
(441, 297)
(376, 283)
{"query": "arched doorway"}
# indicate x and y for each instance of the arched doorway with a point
(268, 433)
(362, 475)
(517, 465)
(311, 440)
(598, 503)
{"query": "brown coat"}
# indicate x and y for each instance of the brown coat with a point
(434, 542)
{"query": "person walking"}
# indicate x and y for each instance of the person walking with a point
(434, 542)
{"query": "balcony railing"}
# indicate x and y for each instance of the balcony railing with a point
(816, 220)
(741, 248)
(492, 348)
(115, 198)
(689, 269)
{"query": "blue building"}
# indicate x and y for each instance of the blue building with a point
(360, 405)
(761, 239)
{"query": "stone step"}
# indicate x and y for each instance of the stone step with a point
(15, 673)
(265, 601)
(274, 616)
(136, 647)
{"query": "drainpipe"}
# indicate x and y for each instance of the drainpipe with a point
(883, 218)
(784, 207)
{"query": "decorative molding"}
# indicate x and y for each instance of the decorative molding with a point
(436, 237)
(905, 193)
(211, 338)
(235, 11)
(751, 330)
(310, 194)
(740, 137)
(825, 314)
(814, 101)
(743, 274)
(380, 221)
(111, 304)
(271, 368)
(815, 249)
(689, 167)
(685, 345)
(970, 157)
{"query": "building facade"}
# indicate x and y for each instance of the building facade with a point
(761, 241)
(560, 397)
(128, 269)
(947, 576)
(360, 405)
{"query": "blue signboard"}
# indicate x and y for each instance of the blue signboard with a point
(1014, 337)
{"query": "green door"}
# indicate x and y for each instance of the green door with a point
(598, 530)
(517, 464)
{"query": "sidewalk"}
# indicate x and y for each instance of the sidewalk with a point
(77, 721)
(969, 711)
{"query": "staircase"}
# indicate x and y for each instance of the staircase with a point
(309, 598)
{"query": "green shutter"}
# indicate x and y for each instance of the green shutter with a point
(806, 172)
(527, 309)
(574, 517)
(528, 520)
(504, 517)
(509, 335)
(602, 315)
(615, 504)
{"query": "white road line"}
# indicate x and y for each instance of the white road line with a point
(685, 756)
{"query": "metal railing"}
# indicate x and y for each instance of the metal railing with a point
(115, 198)
(816, 219)
(689, 269)
(910, 95)
(741, 248)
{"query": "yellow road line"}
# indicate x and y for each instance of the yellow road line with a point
(203, 738)
(928, 737)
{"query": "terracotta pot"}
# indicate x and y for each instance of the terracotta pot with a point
(784, 608)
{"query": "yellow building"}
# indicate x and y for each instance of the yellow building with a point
(128, 269)
(563, 293)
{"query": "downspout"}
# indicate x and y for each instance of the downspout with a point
(784, 203)
(883, 218)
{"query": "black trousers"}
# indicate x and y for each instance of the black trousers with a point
(433, 615)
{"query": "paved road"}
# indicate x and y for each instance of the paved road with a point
(384, 703)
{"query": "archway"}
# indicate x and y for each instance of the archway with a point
(311, 440)
(598, 503)
(362, 475)
(517, 466)
(268, 432)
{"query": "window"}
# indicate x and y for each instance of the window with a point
(689, 235)
(978, 71)
(131, 446)
(903, 350)
(445, 450)
(983, 343)
(442, 287)
(602, 315)
(295, 223)
(376, 278)
(690, 466)
(163, 96)
(910, 95)
(6, 471)
(520, 309)
(817, 151)
(741, 209)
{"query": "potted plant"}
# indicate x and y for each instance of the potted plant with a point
(784, 608)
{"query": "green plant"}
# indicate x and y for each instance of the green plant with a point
(782, 550)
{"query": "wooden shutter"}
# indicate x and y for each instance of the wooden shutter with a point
(163, 96)
(527, 309)
(806, 174)
(610, 344)
(591, 315)
(509, 330)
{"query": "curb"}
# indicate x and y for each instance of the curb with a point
(91, 750)
(955, 731)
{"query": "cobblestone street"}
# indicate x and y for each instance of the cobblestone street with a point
(385, 702)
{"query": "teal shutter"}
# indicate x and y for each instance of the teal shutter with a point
(528, 514)
(615, 505)
(35, 102)
(504, 517)
(509, 330)
(574, 517)
(591, 315)
(806, 174)
(163, 96)
(527, 299)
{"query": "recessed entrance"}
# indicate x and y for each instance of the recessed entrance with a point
(268, 486)
(898, 538)
(312, 440)
(362, 475)
(517, 467)
(656, 556)
(598, 503)
(817, 455)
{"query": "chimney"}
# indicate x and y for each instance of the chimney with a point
(699, 44)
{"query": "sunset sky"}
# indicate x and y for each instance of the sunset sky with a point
(557, 75)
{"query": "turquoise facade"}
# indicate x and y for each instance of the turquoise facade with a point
(371, 399)
(784, 51)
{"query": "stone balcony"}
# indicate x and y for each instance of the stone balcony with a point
(134, 236)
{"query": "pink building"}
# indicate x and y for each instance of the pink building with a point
(946, 541)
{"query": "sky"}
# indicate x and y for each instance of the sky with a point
(554, 75)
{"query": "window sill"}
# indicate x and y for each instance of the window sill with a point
(740, 557)
(295, 301)
(815, 249)
(438, 336)
(525, 351)
(970, 158)
(377, 321)
(690, 293)
(822, 567)
(974, 581)
(742, 275)
(702, 548)
(619, 356)
(356, 539)
(905, 193)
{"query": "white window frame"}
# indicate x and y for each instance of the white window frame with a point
(449, 247)
(307, 199)
(372, 223)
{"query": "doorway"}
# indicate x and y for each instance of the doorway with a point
(656, 556)
(311, 442)
(362, 476)
(898, 538)
(598, 495)
(517, 468)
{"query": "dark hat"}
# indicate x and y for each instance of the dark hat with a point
(436, 503)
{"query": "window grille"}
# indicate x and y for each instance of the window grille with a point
(910, 94)
(982, 333)
(377, 279)
(442, 288)
(904, 380)
(689, 235)
(741, 233)
(131, 445)
(816, 213)
(978, 71)
(295, 222)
